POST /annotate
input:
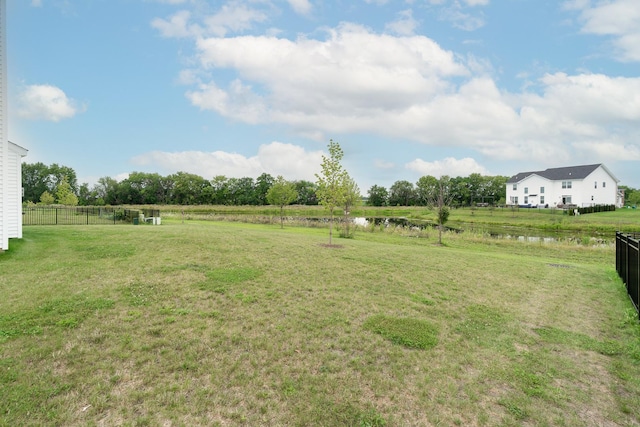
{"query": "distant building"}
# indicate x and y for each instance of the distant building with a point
(582, 186)
(10, 155)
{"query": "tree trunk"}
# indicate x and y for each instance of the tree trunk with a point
(330, 226)
(281, 217)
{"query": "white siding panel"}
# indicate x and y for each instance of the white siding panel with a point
(4, 135)
(13, 203)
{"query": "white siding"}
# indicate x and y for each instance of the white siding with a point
(4, 136)
(529, 191)
(14, 190)
(602, 194)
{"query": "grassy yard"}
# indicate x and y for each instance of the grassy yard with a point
(215, 323)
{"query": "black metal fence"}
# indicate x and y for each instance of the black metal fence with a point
(80, 215)
(628, 264)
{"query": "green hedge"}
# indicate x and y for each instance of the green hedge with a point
(593, 209)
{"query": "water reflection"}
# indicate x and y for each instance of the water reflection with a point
(496, 232)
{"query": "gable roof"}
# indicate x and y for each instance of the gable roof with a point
(558, 174)
(18, 149)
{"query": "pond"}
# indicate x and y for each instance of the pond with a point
(499, 232)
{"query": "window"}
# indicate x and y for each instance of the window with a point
(566, 200)
(515, 187)
(541, 190)
(566, 184)
(595, 184)
(526, 190)
(526, 200)
(542, 199)
(604, 184)
(514, 200)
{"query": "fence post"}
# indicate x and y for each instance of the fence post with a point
(637, 267)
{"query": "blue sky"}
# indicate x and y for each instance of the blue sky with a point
(408, 88)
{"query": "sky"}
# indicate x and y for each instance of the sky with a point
(244, 87)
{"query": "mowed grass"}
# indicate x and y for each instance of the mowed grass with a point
(236, 324)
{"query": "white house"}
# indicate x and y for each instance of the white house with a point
(10, 156)
(586, 185)
(4, 135)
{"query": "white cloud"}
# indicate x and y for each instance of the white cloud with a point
(303, 7)
(276, 158)
(619, 19)
(46, 102)
(462, 20)
(409, 88)
(235, 17)
(338, 84)
(36, 3)
(383, 164)
(477, 2)
(177, 25)
(405, 25)
(232, 17)
(449, 166)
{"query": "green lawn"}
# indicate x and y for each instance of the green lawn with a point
(215, 323)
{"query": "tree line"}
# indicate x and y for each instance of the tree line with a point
(54, 183)
(183, 188)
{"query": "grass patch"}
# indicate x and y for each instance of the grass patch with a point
(578, 340)
(412, 333)
(59, 313)
(215, 323)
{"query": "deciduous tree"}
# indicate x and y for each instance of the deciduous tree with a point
(47, 198)
(64, 193)
(440, 200)
(281, 193)
(378, 196)
(402, 193)
(331, 182)
(352, 198)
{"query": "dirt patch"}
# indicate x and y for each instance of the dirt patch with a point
(559, 265)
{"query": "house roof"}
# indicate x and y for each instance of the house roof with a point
(20, 150)
(558, 174)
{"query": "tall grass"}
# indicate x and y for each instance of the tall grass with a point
(219, 323)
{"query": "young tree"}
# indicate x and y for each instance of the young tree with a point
(331, 182)
(64, 193)
(352, 198)
(281, 193)
(46, 198)
(440, 200)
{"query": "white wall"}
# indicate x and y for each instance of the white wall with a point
(14, 191)
(602, 194)
(532, 185)
(4, 135)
